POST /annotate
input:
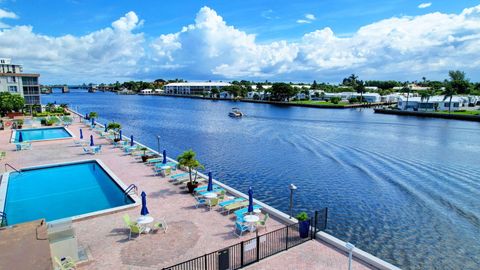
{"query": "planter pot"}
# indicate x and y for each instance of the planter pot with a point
(116, 139)
(19, 127)
(191, 187)
(144, 158)
(304, 228)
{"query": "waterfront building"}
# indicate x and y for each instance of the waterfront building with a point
(146, 92)
(193, 88)
(345, 96)
(13, 80)
(434, 103)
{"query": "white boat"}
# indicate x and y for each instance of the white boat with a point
(236, 113)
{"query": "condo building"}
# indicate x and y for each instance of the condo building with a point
(13, 80)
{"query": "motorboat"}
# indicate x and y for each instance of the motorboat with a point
(236, 113)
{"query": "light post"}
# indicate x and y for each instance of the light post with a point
(350, 248)
(292, 188)
(158, 144)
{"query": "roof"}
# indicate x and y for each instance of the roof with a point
(199, 84)
(431, 99)
(25, 246)
(20, 74)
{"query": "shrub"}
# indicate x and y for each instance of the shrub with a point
(302, 216)
(353, 100)
(335, 100)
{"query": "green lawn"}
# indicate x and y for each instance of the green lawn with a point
(462, 112)
(320, 103)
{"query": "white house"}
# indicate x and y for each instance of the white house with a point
(225, 94)
(193, 88)
(368, 97)
(433, 103)
(146, 92)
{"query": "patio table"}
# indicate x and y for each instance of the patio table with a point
(251, 220)
(144, 221)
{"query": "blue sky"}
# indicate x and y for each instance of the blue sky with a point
(284, 36)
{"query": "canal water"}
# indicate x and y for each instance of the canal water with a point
(405, 189)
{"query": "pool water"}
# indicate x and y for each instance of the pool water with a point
(40, 134)
(61, 192)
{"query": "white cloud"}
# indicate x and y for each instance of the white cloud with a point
(4, 14)
(399, 48)
(310, 17)
(303, 21)
(424, 5)
(101, 55)
(402, 48)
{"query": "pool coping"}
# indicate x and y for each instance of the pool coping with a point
(14, 132)
(115, 178)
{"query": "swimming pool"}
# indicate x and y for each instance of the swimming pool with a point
(42, 134)
(71, 190)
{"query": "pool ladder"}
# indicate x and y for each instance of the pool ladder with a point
(8, 165)
(3, 219)
(131, 188)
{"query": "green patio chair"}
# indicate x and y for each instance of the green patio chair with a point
(161, 224)
(212, 203)
(134, 228)
(263, 222)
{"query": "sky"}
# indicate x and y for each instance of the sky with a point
(77, 41)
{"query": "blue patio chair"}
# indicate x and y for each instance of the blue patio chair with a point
(240, 229)
(225, 203)
(200, 202)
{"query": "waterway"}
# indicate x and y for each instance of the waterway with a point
(405, 189)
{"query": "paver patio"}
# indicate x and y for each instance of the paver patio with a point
(192, 232)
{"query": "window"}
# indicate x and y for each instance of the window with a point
(11, 79)
(12, 88)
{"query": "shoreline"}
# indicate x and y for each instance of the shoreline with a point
(472, 118)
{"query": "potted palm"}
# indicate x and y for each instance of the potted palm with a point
(187, 159)
(144, 156)
(303, 224)
(19, 123)
(93, 115)
(116, 130)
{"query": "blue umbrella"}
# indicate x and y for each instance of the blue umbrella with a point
(81, 134)
(120, 134)
(91, 140)
(164, 157)
(20, 137)
(93, 121)
(144, 210)
(86, 116)
(210, 184)
(106, 128)
(250, 200)
(131, 140)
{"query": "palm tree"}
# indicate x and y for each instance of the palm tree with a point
(188, 159)
(425, 95)
(406, 89)
(458, 84)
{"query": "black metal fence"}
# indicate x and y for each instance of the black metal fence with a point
(255, 249)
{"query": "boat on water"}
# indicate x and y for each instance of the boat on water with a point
(236, 113)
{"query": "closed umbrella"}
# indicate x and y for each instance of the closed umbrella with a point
(131, 140)
(164, 157)
(81, 134)
(20, 137)
(144, 210)
(91, 140)
(210, 184)
(250, 200)
(86, 116)
(120, 134)
(93, 121)
(106, 129)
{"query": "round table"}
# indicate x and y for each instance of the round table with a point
(143, 221)
(210, 195)
(251, 220)
(257, 211)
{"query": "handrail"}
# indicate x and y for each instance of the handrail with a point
(130, 188)
(8, 165)
(3, 219)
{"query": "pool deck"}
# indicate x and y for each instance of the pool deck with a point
(192, 232)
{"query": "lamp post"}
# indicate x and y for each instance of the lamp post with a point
(292, 188)
(158, 144)
(350, 248)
